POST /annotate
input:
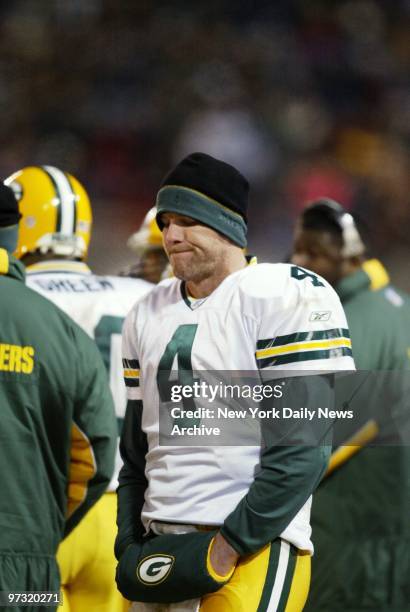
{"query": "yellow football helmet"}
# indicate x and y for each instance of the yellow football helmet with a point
(56, 212)
(148, 237)
(146, 242)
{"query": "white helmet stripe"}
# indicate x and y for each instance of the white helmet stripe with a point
(67, 200)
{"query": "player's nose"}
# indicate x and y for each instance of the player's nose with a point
(173, 233)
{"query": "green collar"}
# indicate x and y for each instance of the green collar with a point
(353, 284)
(12, 267)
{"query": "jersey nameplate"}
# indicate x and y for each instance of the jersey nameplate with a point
(14, 358)
(82, 285)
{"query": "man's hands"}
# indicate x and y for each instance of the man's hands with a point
(223, 557)
(170, 568)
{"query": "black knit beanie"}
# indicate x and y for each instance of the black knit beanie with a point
(210, 191)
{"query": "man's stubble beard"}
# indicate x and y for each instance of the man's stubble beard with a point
(199, 268)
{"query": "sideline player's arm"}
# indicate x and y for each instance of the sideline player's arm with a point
(397, 356)
(386, 415)
(288, 474)
(133, 448)
(93, 433)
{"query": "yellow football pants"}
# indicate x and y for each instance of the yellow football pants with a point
(87, 562)
(275, 579)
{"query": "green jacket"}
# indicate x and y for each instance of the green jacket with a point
(58, 430)
(361, 511)
(376, 320)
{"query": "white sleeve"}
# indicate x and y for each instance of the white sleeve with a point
(303, 327)
(130, 359)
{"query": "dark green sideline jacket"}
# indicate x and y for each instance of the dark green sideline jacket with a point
(361, 510)
(58, 430)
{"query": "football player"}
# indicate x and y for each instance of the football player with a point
(218, 527)
(362, 560)
(146, 244)
(53, 241)
(58, 428)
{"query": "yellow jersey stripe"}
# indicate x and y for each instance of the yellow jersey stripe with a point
(131, 373)
(300, 346)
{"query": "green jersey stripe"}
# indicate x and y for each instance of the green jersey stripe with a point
(132, 382)
(325, 334)
(270, 575)
(293, 553)
(131, 364)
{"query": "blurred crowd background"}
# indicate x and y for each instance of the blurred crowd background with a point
(307, 98)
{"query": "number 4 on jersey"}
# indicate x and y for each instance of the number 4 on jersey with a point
(301, 274)
(180, 346)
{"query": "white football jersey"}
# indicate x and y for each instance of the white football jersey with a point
(98, 304)
(265, 318)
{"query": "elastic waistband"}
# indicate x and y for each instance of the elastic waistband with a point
(162, 527)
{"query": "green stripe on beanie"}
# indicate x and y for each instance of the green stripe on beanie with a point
(192, 203)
